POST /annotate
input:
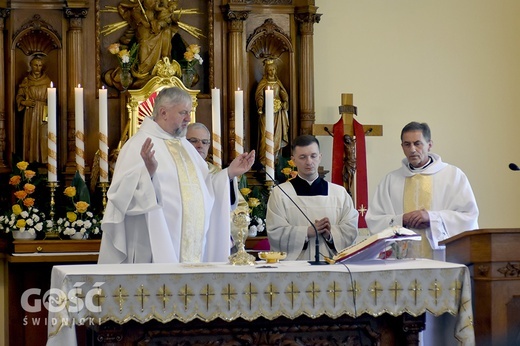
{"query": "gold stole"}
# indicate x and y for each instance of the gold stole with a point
(418, 195)
(192, 232)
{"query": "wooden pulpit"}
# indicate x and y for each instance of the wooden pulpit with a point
(493, 257)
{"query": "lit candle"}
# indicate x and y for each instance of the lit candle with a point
(80, 136)
(239, 122)
(103, 135)
(215, 125)
(269, 133)
(52, 164)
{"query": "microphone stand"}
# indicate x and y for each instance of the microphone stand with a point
(317, 250)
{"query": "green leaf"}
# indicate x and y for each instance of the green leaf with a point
(81, 188)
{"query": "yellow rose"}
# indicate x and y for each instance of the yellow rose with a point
(253, 202)
(15, 180)
(294, 174)
(28, 202)
(20, 223)
(291, 163)
(286, 170)
(29, 188)
(123, 53)
(194, 48)
(113, 48)
(81, 207)
(22, 165)
(245, 191)
(29, 174)
(72, 216)
(20, 194)
(17, 210)
(188, 55)
(70, 191)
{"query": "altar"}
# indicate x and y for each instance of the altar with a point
(234, 295)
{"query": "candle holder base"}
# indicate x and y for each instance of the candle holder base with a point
(53, 232)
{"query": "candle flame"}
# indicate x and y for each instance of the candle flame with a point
(79, 85)
(52, 85)
(102, 87)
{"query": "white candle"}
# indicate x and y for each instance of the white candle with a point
(239, 121)
(103, 135)
(215, 125)
(52, 165)
(80, 136)
(269, 133)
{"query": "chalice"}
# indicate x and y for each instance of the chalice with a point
(239, 233)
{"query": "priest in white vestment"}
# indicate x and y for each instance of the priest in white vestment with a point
(164, 206)
(426, 194)
(327, 205)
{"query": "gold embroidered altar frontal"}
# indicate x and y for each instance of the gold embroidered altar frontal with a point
(208, 291)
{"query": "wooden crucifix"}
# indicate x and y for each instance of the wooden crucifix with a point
(349, 155)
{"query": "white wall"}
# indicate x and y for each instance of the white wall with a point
(452, 64)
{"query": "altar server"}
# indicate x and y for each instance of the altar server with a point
(327, 205)
(163, 204)
(425, 194)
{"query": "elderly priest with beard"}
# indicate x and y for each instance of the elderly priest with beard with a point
(164, 206)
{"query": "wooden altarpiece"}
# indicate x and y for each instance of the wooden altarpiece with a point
(237, 36)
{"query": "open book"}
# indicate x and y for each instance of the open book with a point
(371, 247)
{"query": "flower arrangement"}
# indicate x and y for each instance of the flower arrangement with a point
(256, 199)
(290, 171)
(191, 57)
(127, 58)
(79, 222)
(25, 215)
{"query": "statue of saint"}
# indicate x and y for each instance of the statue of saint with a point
(32, 100)
(281, 105)
(151, 24)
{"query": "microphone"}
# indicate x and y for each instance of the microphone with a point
(317, 251)
(514, 167)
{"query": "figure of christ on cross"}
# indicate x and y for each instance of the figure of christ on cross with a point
(349, 154)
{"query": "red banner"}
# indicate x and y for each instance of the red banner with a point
(338, 152)
(361, 174)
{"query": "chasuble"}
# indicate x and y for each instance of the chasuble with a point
(181, 214)
(440, 188)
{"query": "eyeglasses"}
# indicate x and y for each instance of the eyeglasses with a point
(194, 140)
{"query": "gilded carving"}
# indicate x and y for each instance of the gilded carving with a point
(76, 12)
(232, 15)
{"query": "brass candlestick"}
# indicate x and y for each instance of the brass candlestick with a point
(52, 232)
(104, 187)
(269, 184)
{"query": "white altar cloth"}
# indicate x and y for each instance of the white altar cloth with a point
(208, 291)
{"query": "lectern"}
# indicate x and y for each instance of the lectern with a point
(493, 257)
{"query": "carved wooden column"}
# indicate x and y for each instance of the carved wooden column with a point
(75, 65)
(306, 72)
(4, 13)
(235, 65)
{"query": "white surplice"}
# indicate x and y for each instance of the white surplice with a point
(287, 227)
(143, 220)
(453, 205)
